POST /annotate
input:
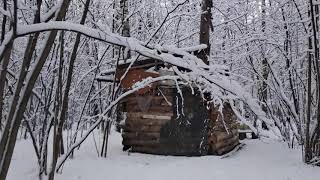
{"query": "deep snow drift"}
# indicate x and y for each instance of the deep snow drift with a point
(259, 160)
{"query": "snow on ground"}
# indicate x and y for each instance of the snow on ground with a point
(257, 161)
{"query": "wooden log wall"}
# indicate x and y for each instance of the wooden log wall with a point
(145, 116)
(154, 126)
(223, 133)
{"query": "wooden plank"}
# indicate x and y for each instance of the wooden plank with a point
(142, 128)
(155, 99)
(140, 114)
(146, 149)
(159, 117)
(130, 142)
(141, 136)
(152, 109)
(151, 122)
(145, 122)
(165, 150)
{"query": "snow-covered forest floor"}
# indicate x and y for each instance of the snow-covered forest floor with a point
(259, 160)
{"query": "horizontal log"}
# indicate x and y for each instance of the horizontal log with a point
(155, 100)
(140, 114)
(142, 128)
(161, 102)
(146, 149)
(155, 97)
(134, 122)
(151, 122)
(141, 135)
(165, 150)
(151, 110)
(182, 142)
(159, 117)
(131, 142)
(152, 140)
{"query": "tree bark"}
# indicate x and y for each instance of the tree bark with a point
(312, 45)
(265, 70)
(205, 27)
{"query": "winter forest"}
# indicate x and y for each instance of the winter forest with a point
(159, 89)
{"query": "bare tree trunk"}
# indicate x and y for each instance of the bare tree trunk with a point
(65, 100)
(125, 23)
(43, 140)
(312, 45)
(125, 55)
(205, 26)
(265, 70)
(4, 21)
(3, 32)
(316, 133)
(287, 47)
(57, 130)
(3, 76)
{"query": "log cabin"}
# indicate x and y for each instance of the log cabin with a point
(161, 120)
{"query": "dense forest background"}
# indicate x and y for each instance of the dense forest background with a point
(54, 56)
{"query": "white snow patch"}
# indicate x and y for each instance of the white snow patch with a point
(269, 160)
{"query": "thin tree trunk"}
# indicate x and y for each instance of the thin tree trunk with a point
(58, 103)
(312, 45)
(205, 26)
(316, 133)
(3, 76)
(4, 21)
(65, 100)
(3, 32)
(265, 71)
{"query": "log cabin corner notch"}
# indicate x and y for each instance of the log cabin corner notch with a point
(158, 120)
